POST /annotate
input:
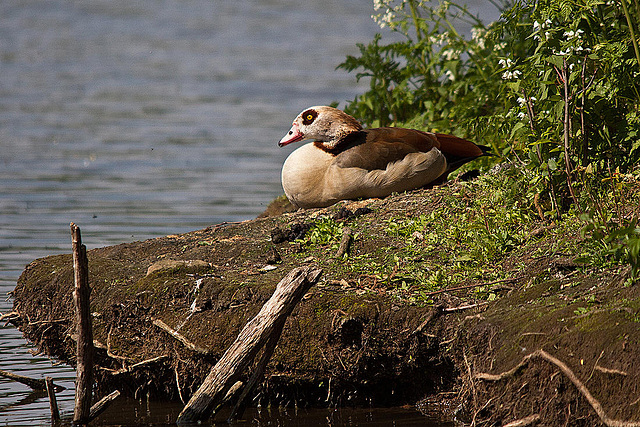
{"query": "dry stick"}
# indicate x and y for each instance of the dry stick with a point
(102, 404)
(131, 368)
(53, 403)
(84, 357)
(523, 422)
(475, 285)
(595, 404)
(252, 337)
(34, 383)
(567, 131)
(435, 311)
(177, 335)
(347, 236)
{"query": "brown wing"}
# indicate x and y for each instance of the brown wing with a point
(376, 148)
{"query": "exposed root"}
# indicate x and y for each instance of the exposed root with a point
(595, 404)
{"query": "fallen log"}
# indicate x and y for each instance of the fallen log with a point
(253, 336)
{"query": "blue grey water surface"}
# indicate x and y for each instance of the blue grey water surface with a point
(138, 119)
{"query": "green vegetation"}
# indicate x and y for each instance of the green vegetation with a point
(552, 87)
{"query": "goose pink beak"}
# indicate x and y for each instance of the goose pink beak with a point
(293, 135)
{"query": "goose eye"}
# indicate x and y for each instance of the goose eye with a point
(309, 116)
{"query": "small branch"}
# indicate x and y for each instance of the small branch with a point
(34, 383)
(10, 316)
(53, 403)
(523, 422)
(610, 371)
(567, 132)
(475, 285)
(178, 384)
(103, 404)
(347, 236)
(435, 312)
(595, 404)
(465, 307)
(177, 335)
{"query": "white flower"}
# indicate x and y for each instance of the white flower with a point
(536, 25)
(521, 115)
(521, 101)
(450, 54)
(505, 63)
(377, 4)
(508, 75)
(450, 75)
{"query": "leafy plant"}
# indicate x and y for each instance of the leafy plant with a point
(552, 86)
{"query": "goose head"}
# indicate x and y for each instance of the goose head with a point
(322, 124)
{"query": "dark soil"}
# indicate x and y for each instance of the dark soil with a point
(357, 338)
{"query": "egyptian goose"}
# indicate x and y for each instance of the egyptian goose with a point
(345, 161)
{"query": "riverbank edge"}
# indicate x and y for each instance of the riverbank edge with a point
(357, 338)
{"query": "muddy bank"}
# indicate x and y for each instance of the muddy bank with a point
(370, 333)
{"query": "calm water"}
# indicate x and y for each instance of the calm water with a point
(141, 119)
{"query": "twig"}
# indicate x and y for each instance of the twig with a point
(464, 307)
(347, 236)
(9, 316)
(523, 422)
(475, 285)
(84, 356)
(178, 384)
(53, 403)
(433, 314)
(102, 404)
(595, 404)
(610, 371)
(34, 383)
(177, 335)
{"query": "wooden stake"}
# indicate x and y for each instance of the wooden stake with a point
(84, 356)
(252, 337)
(53, 403)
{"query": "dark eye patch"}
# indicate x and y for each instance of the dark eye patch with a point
(309, 116)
